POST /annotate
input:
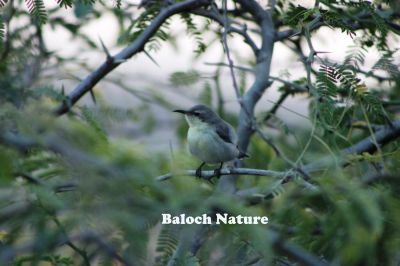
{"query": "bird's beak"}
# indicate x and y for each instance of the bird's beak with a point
(181, 111)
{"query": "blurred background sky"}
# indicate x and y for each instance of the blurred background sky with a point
(140, 73)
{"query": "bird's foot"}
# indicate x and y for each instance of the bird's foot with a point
(198, 172)
(217, 172)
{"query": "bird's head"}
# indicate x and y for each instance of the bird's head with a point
(198, 115)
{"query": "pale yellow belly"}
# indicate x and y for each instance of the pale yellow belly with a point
(209, 147)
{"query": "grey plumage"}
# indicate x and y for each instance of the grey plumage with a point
(210, 138)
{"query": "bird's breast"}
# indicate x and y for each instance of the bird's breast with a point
(205, 144)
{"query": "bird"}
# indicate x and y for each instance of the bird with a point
(210, 138)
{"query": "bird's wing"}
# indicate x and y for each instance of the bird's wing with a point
(226, 133)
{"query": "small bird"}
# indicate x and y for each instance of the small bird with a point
(210, 138)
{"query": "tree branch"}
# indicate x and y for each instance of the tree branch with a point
(220, 20)
(262, 70)
(241, 68)
(295, 87)
(382, 137)
(112, 62)
(226, 26)
(299, 254)
(294, 251)
(234, 171)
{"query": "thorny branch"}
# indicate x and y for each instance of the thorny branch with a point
(227, 23)
(137, 46)
(262, 69)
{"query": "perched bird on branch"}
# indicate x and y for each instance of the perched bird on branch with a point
(210, 138)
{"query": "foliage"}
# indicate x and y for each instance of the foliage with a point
(184, 78)
(81, 189)
(192, 29)
(2, 30)
(37, 8)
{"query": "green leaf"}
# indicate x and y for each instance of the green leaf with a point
(50, 92)
(181, 78)
(93, 121)
(193, 30)
(81, 10)
(37, 8)
(297, 15)
(166, 244)
(2, 31)
(65, 3)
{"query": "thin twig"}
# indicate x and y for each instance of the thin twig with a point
(214, 15)
(382, 137)
(241, 68)
(295, 87)
(281, 155)
(250, 118)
